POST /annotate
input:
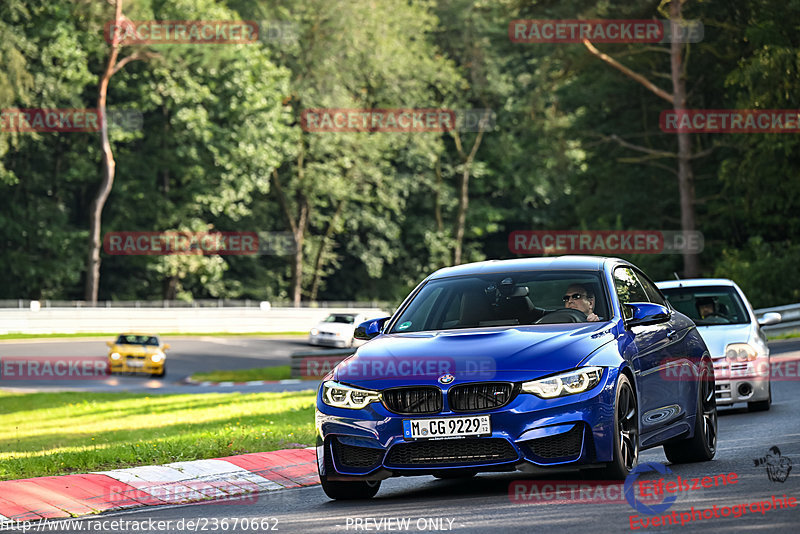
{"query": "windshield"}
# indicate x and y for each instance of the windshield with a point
(137, 340)
(708, 305)
(504, 299)
(340, 318)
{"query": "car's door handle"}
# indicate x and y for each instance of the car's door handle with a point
(672, 334)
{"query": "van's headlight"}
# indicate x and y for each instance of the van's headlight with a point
(155, 358)
(740, 352)
(341, 396)
(115, 356)
(564, 384)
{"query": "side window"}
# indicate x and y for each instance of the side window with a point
(652, 291)
(628, 288)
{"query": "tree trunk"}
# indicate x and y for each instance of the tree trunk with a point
(463, 199)
(297, 225)
(109, 169)
(691, 264)
(320, 261)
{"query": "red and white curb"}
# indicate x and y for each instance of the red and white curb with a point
(176, 483)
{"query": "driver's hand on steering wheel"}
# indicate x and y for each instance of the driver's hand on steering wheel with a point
(592, 317)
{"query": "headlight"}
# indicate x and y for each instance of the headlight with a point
(314, 331)
(155, 358)
(740, 352)
(341, 396)
(115, 356)
(565, 384)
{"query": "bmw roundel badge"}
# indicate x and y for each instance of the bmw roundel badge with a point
(446, 379)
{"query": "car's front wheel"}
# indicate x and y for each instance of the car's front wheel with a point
(350, 490)
(346, 490)
(703, 445)
(626, 432)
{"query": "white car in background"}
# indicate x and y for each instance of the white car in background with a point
(336, 330)
(728, 325)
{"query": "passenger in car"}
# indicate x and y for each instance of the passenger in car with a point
(580, 297)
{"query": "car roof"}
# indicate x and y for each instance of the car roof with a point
(554, 263)
(695, 282)
(137, 334)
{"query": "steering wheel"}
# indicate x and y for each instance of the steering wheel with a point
(720, 318)
(563, 315)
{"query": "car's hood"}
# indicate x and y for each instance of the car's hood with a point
(475, 354)
(717, 337)
(136, 350)
(333, 328)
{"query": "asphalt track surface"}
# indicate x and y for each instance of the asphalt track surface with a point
(187, 355)
(483, 504)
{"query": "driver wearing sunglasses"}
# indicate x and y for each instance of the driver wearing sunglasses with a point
(581, 298)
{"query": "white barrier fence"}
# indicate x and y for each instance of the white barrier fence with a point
(230, 319)
(189, 320)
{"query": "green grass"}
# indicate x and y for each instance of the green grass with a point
(788, 335)
(57, 433)
(163, 334)
(279, 372)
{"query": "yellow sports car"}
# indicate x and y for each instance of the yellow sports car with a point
(137, 353)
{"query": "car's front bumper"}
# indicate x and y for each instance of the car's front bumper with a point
(128, 365)
(527, 433)
(741, 381)
(328, 340)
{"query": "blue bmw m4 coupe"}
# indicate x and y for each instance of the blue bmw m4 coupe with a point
(523, 364)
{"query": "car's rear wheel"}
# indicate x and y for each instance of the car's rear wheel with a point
(703, 445)
(346, 490)
(626, 432)
(761, 406)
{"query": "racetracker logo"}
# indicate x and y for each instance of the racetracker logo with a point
(679, 370)
(198, 243)
(236, 490)
(130, 32)
(534, 242)
(67, 120)
(730, 121)
(378, 120)
(53, 368)
(604, 31)
(428, 368)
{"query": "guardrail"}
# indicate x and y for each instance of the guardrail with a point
(790, 319)
(188, 320)
(200, 303)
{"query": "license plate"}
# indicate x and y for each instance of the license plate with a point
(447, 427)
(135, 363)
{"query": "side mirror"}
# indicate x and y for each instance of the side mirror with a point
(166, 346)
(369, 329)
(646, 313)
(770, 318)
(110, 343)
